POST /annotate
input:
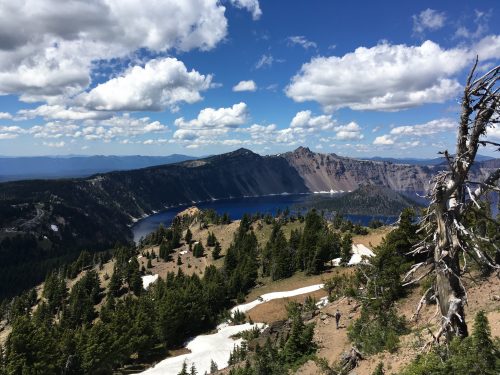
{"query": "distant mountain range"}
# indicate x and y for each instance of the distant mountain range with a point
(43, 167)
(54, 167)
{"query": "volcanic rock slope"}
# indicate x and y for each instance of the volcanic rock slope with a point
(325, 172)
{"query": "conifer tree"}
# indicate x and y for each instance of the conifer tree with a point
(184, 370)
(115, 283)
(189, 236)
(345, 251)
(483, 345)
(216, 251)
(198, 250)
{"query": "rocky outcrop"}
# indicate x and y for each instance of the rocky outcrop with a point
(325, 172)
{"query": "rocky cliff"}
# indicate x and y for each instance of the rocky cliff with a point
(325, 172)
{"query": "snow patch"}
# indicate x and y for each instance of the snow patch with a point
(359, 252)
(331, 192)
(204, 349)
(218, 346)
(148, 280)
(276, 295)
(54, 228)
(323, 301)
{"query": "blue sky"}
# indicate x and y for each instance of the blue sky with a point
(203, 77)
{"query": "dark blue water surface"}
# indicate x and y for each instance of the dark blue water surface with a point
(237, 207)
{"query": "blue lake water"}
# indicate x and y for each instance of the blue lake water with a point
(237, 207)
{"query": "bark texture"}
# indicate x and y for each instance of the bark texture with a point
(446, 237)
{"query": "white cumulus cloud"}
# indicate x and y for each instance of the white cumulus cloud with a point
(429, 128)
(245, 86)
(306, 120)
(385, 77)
(159, 84)
(60, 112)
(383, 140)
(351, 131)
(411, 135)
(53, 52)
(211, 124)
(487, 48)
(231, 117)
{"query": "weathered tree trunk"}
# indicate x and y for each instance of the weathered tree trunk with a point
(446, 236)
(450, 294)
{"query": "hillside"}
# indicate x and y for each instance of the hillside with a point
(325, 172)
(365, 200)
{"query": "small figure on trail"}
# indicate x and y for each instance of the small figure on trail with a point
(337, 318)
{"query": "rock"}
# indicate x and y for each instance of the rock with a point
(323, 316)
(308, 315)
(276, 326)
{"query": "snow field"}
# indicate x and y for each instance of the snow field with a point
(218, 346)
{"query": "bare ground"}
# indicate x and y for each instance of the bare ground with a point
(332, 343)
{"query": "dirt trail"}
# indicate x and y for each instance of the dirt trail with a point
(332, 342)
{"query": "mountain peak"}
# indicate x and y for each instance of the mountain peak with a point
(302, 149)
(241, 151)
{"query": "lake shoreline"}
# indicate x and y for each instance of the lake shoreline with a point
(237, 206)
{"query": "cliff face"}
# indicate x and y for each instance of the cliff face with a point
(329, 171)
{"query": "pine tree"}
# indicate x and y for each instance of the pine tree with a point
(211, 239)
(483, 345)
(55, 291)
(136, 283)
(346, 248)
(149, 265)
(184, 370)
(300, 341)
(189, 236)
(216, 251)
(314, 226)
(198, 250)
(193, 370)
(115, 283)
